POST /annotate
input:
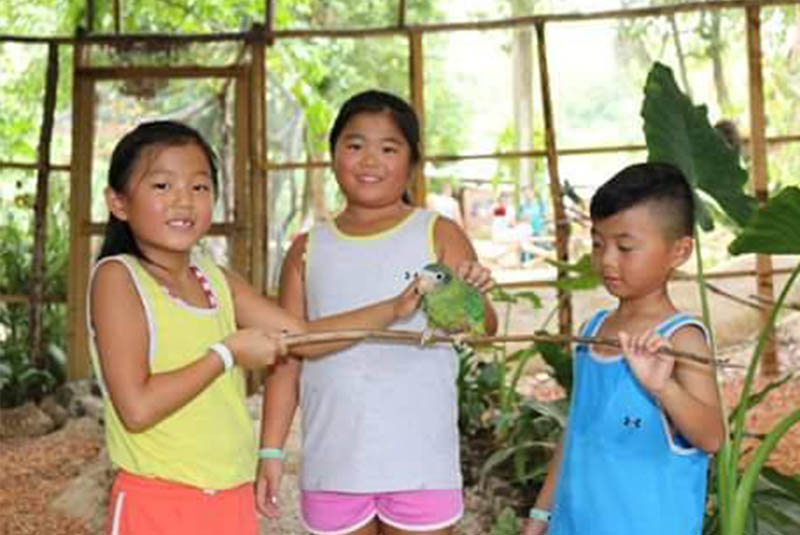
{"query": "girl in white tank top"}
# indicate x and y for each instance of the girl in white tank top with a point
(379, 420)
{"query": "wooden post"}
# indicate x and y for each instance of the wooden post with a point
(561, 222)
(242, 195)
(35, 353)
(80, 216)
(401, 13)
(259, 186)
(758, 173)
(416, 73)
(258, 159)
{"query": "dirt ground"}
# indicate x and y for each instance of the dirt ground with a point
(33, 472)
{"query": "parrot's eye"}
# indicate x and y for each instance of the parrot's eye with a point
(439, 276)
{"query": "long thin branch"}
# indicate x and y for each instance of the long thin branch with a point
(419, 337)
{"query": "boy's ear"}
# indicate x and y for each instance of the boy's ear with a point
(116, 204)
(682, 249)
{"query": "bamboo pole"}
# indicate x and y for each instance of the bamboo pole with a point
(30, 165)
(258, 153)
(758, 170)
(423, 338)
(561, 223)
(655, 11)
(117, 16)
(401, 13)
(416, 70)
(216, 229)
(259, 184)
(177, 71)
(80, 205)
(35, 353)
(534, 153)
(242, 193)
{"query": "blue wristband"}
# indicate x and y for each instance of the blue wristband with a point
(271, 453)
(539, 514)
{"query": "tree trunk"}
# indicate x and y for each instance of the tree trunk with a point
(36, 353)
(522, 88)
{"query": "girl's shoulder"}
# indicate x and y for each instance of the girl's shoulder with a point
(117, 270)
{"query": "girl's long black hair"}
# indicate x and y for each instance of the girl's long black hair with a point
(119, 238)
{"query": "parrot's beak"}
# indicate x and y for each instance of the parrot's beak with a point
(427, 282)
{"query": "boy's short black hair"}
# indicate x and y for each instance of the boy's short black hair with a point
(659, 183)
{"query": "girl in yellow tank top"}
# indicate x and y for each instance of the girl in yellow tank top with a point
(171, 337)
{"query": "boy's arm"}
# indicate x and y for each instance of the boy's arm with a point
(685, 390)
(544, 500)
(690, 399)
(453, 249)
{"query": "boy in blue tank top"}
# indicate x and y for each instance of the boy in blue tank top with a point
(634, 456)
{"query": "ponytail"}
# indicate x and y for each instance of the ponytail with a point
(119, 239)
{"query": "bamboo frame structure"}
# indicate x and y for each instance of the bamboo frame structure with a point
(248, 232)
(560, 217)
(758, 172)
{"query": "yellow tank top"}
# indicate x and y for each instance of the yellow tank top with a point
(209, 442)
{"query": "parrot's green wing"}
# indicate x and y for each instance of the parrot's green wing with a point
(458, 307)
(475, 311)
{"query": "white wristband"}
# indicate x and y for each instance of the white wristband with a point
(224, 354)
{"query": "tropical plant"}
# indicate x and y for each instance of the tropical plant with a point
(679, 132)
(20, 379)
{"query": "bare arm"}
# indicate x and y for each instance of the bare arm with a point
(281, 386)
(690, 399)
(141, 398)
(685, 390)
(253, 310)
(544, 500)
(454, 250)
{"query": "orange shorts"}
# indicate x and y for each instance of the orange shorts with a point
(145, 506)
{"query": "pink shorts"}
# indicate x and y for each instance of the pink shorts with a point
(338, 513)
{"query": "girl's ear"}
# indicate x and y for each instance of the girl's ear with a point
(681, 250)
(117, 204)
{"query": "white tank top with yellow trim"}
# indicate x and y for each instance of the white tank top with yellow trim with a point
(209, 442)
(377, 417)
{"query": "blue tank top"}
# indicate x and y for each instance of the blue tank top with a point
(623, 471)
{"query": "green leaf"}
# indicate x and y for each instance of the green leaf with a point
(580, 275)
(558, 359)
(758, 397)
(774, 228)
(506, 524)
(679, 132)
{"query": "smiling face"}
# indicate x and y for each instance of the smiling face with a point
(168, 199)
(372, 160)
(632, 253)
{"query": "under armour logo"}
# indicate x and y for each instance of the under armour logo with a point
(632, 422)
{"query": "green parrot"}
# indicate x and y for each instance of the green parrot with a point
(449, 303)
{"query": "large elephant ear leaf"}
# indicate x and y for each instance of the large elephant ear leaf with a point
(774, 229)
(678, 132)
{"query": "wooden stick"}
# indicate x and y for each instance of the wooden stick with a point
(418, 337)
